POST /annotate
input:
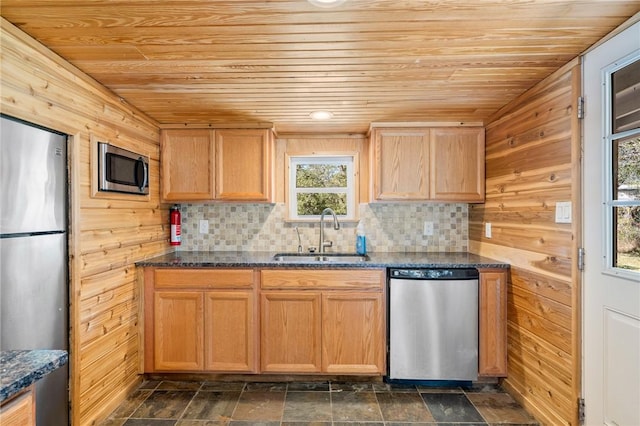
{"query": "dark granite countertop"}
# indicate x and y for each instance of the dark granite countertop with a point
(242, 259)
(21, 368)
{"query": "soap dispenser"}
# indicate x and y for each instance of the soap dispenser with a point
(361, 240)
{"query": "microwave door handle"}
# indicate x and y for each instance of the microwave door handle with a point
(144, 174)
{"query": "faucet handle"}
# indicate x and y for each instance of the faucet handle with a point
(326, 243)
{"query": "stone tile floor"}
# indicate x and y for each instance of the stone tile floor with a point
(181, 403)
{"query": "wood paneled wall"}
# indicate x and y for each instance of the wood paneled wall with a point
(532, 162)
(107, 235)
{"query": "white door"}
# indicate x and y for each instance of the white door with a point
(611, 206)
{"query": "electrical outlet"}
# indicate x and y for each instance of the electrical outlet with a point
(487, 229)
(428, 228)
(204, 226)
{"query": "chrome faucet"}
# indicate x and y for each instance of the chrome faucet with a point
(299, 241)
(336, 226)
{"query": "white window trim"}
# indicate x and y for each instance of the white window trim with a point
(352, 189)
(608, 137)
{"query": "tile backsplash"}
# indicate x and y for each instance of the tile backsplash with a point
(388, 227)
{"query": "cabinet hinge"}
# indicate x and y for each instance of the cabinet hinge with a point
(581, 258)
(580, 107)
(581, 411)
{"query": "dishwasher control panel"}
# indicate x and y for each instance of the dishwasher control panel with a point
(434, 273)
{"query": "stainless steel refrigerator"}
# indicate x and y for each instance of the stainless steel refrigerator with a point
(33, 254)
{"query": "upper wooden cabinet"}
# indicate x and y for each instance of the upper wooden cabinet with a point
(187, 159)
(221, 164)
(400, 164)
(457, 164)
(243, 164)
(428, 164)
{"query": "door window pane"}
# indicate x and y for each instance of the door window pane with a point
(627, 242)
(624, 168)
(625, 102)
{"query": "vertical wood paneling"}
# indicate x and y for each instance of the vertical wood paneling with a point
(532, 162)
(108, 235)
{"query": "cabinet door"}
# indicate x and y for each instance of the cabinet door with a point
(492, 351)
(229, 331)
(353, 339)
(400, 164)
(178, 330)
(20, 411)
(243, 165)
(457, 164)
(290, 332)
(187, 165)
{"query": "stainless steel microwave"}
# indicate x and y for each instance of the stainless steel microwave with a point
(120, 170)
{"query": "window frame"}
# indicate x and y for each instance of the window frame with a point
(610, 203)
(352, 189)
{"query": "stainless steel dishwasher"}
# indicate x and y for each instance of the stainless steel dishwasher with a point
(433, 324)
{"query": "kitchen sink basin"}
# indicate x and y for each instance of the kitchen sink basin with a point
(320, 257)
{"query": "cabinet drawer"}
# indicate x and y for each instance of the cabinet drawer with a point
(353, 279)
(203, 278)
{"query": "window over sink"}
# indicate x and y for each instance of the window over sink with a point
(315, 182)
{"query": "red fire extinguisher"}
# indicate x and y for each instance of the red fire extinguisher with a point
(174, 221)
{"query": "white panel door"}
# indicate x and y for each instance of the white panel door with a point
(611, 308)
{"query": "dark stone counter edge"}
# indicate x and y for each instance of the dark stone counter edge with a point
(264, 260)
(19, 369)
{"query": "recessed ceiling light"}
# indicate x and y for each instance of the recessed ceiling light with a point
(321, 115)
(326, 3)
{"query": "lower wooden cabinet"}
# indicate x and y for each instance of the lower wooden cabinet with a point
(230, 331)
(492, 345)
(200, 320)
(20, 410)
(327, 327)
(310, 321)
(291, 332)
(353, 338)
(178, 331)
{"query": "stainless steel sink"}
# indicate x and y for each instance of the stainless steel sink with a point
(324, 257)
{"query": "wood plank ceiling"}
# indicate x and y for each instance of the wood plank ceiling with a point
(236, 61)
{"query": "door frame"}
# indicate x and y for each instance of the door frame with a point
(593, 385)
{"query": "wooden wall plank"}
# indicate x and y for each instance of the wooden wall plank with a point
(97, 262)
(553, 289)
(557, 313)
(107, 239)
(531, 350)
(552, 242)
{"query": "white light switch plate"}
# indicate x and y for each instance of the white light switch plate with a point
(428, 228)
(204, 226)
(487, 230)
(563, 212)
